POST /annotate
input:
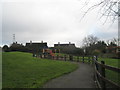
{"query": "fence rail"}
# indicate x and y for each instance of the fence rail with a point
(99, 68)
(100, 77)
(69, 58)
(108, 67)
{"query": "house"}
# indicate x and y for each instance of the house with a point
(36, 47)
(64, 45)
(64, 48)
(113, 49)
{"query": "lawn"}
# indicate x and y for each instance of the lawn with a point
(21, 70)
(111, 61)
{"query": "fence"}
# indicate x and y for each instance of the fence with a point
(99, 72)
(99, 68)
(69, 58)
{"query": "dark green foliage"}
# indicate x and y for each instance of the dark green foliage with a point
(70, 50)
(93, 46)
(19, 47)
(112, 44)
(71, 57)
(99, 46)
(5, 48)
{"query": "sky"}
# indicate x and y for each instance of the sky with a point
(51, 21)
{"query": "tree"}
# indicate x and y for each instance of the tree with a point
(18, 47)
(108, 8)
(90, 40)
(116, 41)
(5, 48)
(101, 46)
(113, 42)
(89, 43)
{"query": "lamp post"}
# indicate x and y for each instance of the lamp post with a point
(84, 51)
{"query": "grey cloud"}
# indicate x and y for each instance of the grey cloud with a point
(49, 20)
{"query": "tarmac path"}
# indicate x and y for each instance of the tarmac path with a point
(80, 78)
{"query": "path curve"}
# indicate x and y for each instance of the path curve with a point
(80, 78)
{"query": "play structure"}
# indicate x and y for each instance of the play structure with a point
(47, 53)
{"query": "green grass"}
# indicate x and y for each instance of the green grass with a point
(111, 62)
(21, 70)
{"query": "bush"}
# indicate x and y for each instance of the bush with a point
(96, 52)
(5, 48)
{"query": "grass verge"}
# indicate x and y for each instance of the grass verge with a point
(21, 70)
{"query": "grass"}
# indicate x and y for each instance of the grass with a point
(21, 70)
(110, 61)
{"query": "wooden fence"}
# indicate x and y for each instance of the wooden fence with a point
(70, 58)
(100, 74)
(99, 68)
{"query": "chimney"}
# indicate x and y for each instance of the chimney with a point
(69, 43)
(58, 43)
(30, 42)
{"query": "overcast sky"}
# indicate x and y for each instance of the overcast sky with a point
(52, 21)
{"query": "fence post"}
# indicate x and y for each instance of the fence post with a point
(65, 57)
(103, 74)
(83, 59)
(33, 55)
(92, 60)
(96, 68)
(89, 59)
(50, 57)
(93, 63)
(70, 57)
(77, 58)
(57, 57)
(95, 58)
(53, 57)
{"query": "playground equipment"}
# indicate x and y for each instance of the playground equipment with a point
(47, 53)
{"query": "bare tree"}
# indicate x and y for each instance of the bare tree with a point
(108, 8)
(89, 40)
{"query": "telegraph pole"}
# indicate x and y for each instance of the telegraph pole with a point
(13, 38)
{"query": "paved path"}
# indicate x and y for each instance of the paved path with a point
(81, 78)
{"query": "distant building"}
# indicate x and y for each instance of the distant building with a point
(36, 47)
(15, 44)
(64, 45)
(113, 49)
(64, 48)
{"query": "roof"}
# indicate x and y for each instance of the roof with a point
(113, 47)
(64, 45)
